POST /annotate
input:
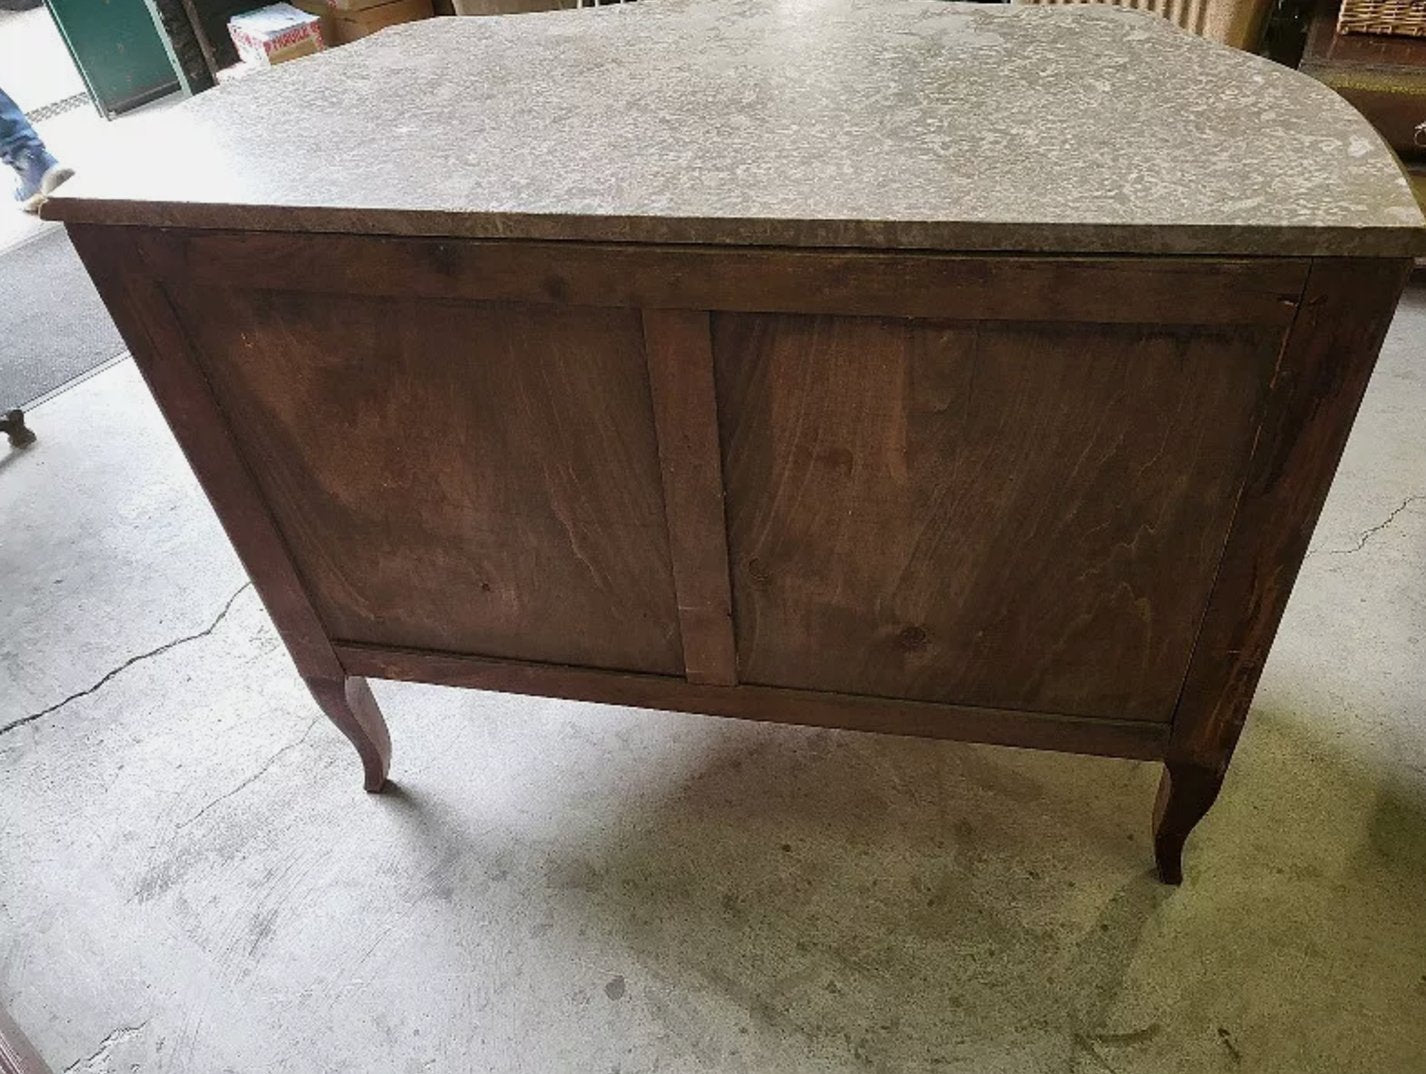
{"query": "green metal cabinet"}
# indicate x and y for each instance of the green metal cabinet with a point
(118, 50)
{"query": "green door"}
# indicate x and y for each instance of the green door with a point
(118, 51)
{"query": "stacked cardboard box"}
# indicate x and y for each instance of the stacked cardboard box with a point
(509, 7)
(275, 34)
(347, 20)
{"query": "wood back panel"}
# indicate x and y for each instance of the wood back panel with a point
(476, 477)
(1002, 483)
(1009, 515)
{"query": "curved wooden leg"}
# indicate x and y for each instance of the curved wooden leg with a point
(17, 1054)
(1186, 791)
(348, 704)
(12, 424)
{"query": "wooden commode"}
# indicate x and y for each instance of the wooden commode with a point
(949, 370)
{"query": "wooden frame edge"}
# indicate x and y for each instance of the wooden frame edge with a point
(164, 355)
(1137, 739)
(1101, 289)
(17, 1054)
(1328, 354)
(1323, 369)
(678, 350)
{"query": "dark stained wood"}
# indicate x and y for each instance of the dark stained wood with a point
(1395, 113)
(12, 424)
(1054, 502)
(1323, 372)
(479, 477)
(153, 336)
(1382, 52)
(1383, 76)
(348, 704)
(17, 1054)
(1036, 730)
(1005, 515)
(1186, 793)
(145, 321)
(1321, 377)
(1105, 290)
(685, 415)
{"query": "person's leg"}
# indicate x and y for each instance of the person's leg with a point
(24, 151)
(18, 139)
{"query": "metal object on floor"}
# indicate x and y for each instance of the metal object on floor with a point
(17, 1054)
(13, 425)
(58, 108)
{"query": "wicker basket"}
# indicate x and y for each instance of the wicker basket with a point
(1230, 22)
(1406, 17)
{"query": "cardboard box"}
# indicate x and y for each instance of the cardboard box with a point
(356, 5)
(351, 25)
(326, 15)
(275, 34)
(509, 7)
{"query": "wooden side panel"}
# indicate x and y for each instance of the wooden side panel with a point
(1331, 350)
(1016, 516)
(162, 352)
(1323, 371)
(165, 356)
(477, 477)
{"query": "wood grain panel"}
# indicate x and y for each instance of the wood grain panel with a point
(476, 477)
(145, 318)
(165, 356)
(1035, 730)
(1013, 516)
(1325, 368)
(680, 361)
(1103, 289)
(1321, 377)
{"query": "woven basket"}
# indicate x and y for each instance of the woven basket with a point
(1406, 17)
(1230, 22)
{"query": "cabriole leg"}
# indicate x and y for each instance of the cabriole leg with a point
(12, 424)
(1186, 791)
(163, 351)
(348, 704)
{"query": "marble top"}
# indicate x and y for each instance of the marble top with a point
(860, 123)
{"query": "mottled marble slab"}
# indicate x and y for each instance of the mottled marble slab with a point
(866, 123)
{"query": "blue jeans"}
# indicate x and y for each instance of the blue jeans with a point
(21, 147)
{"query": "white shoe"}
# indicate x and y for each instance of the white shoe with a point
(54, 175)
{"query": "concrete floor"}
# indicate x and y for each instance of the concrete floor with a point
(192, 880)
(36, 70)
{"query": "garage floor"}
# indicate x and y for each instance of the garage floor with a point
(191, 878)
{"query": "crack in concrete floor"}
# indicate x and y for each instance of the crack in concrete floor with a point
(1371, 531)
(250, 780)
(107, 1045)
(130, 662)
